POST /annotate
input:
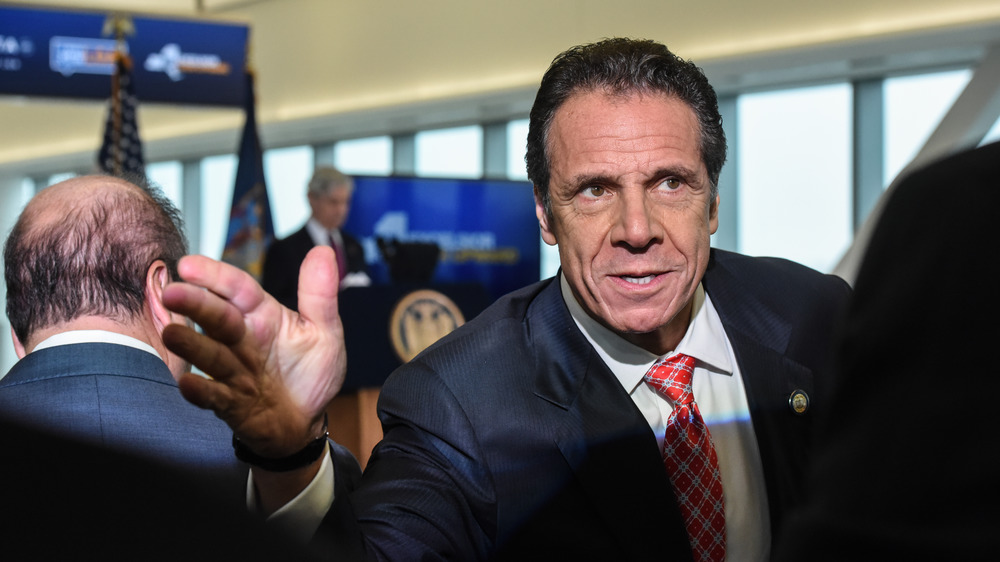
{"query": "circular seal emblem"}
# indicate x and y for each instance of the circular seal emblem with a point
(798, 401)
(419, 319)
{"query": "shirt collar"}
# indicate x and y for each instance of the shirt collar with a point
(94, 336)
(320, 235)
(705, 340)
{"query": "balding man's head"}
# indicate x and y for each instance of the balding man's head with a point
(83, 247)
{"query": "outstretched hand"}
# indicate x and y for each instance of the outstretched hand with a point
(273, 370)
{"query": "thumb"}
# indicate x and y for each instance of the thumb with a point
(318, 286)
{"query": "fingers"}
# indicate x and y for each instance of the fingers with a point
(318, 286)
(202, 392)
(218, 318)
(208, 355)
(227, 281)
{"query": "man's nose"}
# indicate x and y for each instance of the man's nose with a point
(635, 225)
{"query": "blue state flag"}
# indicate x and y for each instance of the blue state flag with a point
(250, 228)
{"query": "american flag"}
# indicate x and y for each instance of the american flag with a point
(121, 151)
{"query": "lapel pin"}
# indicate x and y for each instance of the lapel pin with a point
(798, 401)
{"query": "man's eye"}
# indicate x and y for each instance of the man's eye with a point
(594, 191)
(671, 184)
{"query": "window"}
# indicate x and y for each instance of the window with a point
(517, 141)
(168, 176)
(287, 172)
(517, 144)
(370, 156)
(914, 105)
(217, 176)
(56, 178)
(450, 153)
(794, 174)
(993, 135)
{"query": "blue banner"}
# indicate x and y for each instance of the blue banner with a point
(486, 229)
(64, 54)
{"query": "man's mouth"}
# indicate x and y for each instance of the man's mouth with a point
(639, 280)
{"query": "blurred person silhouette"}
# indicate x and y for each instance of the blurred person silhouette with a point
(329, 192)
(907, 467)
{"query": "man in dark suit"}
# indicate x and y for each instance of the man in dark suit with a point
(85, 266)
(906, 470)
(529, 433)
(329, 196)
(62, 497)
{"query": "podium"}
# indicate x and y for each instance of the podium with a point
(367, 314)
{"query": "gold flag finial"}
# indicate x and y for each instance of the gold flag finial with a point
(118, 24)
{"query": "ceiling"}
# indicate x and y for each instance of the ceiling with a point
(330, 69)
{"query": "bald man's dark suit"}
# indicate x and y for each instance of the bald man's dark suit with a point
(511, 439)
(122, 398)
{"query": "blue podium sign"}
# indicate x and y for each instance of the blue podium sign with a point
(50, 53)
(486, 230)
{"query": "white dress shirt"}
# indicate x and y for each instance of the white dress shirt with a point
(322, 237)
(93, 336)
(718, 389)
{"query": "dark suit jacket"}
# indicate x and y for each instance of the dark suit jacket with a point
(281, 264)
(123, 398)
(511, 439)
(907, 465)
(62, 498)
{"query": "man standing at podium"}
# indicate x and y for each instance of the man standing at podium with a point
(329, 195)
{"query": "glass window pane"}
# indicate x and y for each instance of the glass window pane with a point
(450, 153)
(218, 174)
(287, 171)
(794, 174)
(993, 135)
(914, 105)
(168, 177)
(370, 156)
(517, 142)
(56, 178)
(549, 260)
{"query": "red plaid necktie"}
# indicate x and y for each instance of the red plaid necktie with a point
(690, 459)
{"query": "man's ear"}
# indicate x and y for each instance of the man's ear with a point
(18, 346)
(548, 234)
(157, 277)
(713, 216)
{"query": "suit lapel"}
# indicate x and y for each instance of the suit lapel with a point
(605, 440)
(760, 338)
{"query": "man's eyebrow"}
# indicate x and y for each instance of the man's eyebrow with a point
(592, 179)
(679, 171)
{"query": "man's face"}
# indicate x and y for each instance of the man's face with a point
(632, 211)
(330, 208)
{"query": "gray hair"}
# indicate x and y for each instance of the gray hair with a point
(326, 178)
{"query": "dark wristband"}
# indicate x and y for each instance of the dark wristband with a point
(303, 458)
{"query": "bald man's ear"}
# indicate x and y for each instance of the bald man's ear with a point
(158, 277)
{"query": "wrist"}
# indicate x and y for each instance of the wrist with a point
(299, 459)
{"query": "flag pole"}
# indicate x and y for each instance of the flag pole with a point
(120, 25)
